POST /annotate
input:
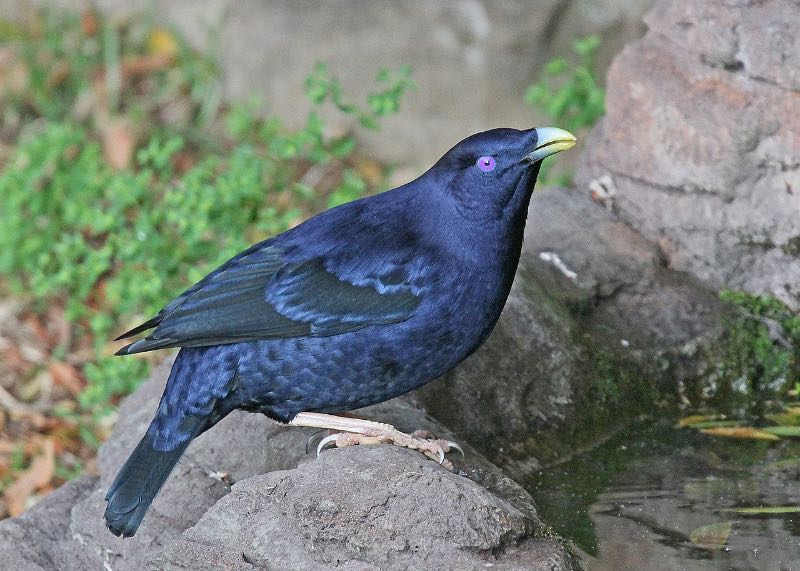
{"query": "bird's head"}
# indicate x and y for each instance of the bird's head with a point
(491, 174)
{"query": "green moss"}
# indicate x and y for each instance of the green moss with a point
(758, 359)
(613, 391)
(750, 369)
(609, 378)
(792, 246)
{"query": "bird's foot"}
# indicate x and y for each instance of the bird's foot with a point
(356, 432)
(433, 448)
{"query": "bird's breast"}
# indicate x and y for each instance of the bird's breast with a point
(469, 303)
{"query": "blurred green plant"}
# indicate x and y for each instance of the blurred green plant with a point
(78, 66)
(114, 243)
(569, 93)
(320, 86)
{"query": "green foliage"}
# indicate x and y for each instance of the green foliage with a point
(79, 66)
(761, 351)
(568, 91)
(569, 94)
(320, 86)
(352, 187)
(115, 246)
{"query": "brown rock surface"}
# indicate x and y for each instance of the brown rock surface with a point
(377, 508)
(386, 508)
(702, 141)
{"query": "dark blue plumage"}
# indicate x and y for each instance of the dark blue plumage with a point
(355, 306)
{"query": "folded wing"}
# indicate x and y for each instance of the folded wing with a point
(261, 296)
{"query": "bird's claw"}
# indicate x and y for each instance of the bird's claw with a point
(345, 439)
(324, 442)
(432, 448)
(456, 446)
(312, 438)
(448, 444)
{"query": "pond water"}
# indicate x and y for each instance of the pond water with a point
(638, 501)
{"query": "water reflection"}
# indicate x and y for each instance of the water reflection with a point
(634, 502)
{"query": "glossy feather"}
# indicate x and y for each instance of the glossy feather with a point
(356, 305)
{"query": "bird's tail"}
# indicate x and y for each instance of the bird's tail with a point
(138, 482)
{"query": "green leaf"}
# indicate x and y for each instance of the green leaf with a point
(740, 432)
(716, 424)
(567, 91)
(765, 510)
(343, 147)
(784, 431)
(694, 419)
(556, 66)
(586, 46)
(712, 535)
(317, 84)
(368, 122)
(352, 187)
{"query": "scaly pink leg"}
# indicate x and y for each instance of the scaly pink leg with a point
(355, 431)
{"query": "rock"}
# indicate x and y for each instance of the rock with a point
(200, 479)
(40, 539)
(595, 327)
(377, 508)
(66, 529)
(472, 60)
(710, 99)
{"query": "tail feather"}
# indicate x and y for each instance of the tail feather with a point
(191, 403)
(137, 484)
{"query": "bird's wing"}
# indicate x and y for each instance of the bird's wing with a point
(259, 295)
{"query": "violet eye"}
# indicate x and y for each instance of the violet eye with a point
(486, 164)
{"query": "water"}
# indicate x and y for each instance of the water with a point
(633, 503)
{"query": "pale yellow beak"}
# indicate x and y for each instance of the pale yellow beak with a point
(551, 140)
